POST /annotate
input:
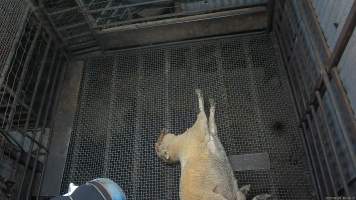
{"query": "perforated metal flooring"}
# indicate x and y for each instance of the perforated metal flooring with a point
(127, 98)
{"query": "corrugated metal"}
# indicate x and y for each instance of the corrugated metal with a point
(332, 15)
(217, 4)
(347, 67)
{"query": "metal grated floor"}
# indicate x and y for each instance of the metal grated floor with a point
(127, 98)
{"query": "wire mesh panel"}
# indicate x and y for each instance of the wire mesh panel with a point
(12, 16)
(127, 98)
(28, 56)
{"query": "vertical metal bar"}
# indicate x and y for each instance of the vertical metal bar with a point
(34, 94)
(311, 159)
(22, 77)
(335, 76)
(108, 143)
(138, 125)
(167, 111)
(318, 132)
(344, 37)
(337, 112)
(324, 181)
(270, 7)
(44, 124)
(28, 158)
(50, 134)
(14, 46)
(18, 90)
(333, 148)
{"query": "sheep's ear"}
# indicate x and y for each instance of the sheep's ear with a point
(245, 189)
(262, 197)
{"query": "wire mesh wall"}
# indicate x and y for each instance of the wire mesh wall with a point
(29, 79)
(325, 113)
(127, 98)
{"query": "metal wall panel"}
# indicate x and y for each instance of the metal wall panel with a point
(325, 113)
(332, 15)
(347, 68)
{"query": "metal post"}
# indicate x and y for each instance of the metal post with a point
(43, 62)
(18, 90)
(337, 112)
(270, 7)
(37, 120)
(44, 123)
(311, 158)
(333, 148)
(50, 136)
(313, 143)
(318, 132)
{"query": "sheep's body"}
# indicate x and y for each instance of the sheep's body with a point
(206, 173)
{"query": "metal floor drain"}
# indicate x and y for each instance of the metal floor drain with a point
(127, 98)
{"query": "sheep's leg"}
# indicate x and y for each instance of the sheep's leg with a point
(201, 119)
(200, 128)
(212, 124)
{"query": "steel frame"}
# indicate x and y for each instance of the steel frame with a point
(310, 97)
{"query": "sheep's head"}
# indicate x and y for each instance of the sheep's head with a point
(165, 147)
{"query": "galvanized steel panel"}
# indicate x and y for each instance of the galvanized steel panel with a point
(347, 67)
(332, 15)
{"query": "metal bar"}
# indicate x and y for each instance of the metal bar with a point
(86, 50)
(113, 52)
(316, 125)
(51, 132)
(344, 37)
(14, 46)
(324, 179)
(38, 80)
(34, 94)
(50, 27)
(80, 46)
(51, 22)
(337, 112)
(270, 7)
(71, 26)
(183, 14)
(333, 148)
(49, 105)
(311, 158)
(18, 90)
(182, 19)
(39, 117)
(344, 98)
(13, 94)
(127, 6)
(22, 76)
(76, 36)
(62, 11)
